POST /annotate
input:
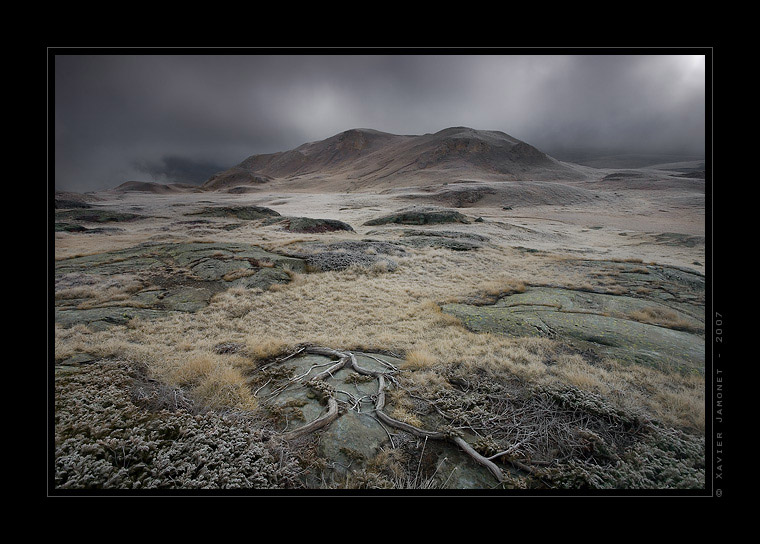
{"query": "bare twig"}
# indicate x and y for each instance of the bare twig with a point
(262, 387)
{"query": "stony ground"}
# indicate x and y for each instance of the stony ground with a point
(564, 342)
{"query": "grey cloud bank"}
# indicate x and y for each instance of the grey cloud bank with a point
(180, 118)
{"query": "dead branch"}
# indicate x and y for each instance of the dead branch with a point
(330, 371)
(332, 413)
(490, 465)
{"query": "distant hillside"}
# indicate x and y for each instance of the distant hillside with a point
(626, 160)
(236, 177)
(155, 188)
(365, 158)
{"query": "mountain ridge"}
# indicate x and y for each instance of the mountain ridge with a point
(362, 158)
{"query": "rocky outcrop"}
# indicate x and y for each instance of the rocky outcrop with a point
(238, 212)
(315, 226)
(420, 216)
(155, 280)
(626, 328)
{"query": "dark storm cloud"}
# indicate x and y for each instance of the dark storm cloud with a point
(166, 118)
(639, 104)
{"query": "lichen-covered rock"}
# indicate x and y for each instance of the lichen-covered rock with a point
(238, 212)
(368, 246)
(93, 215)
(264, 278)
(154, 280)
(69, 227)
(62, 203)
(340, 260)
(612, 325)
(103, 318)
(315, 226)
(453, 234)
(367, 254)
(440, 242)
(420, 216)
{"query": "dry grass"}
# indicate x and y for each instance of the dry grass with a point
(682, 405)
(429, 380)
(615, 290)
(675, 399)
(225, 387)
(490, 290)
(402, 409)
(419, 359)
(576, 371)
(263, 348)
(95, 291)
(664, 317)
(239, 273)
(378, 310)
(503, 286)
(215, 380)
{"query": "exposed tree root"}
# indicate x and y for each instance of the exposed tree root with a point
(348, 359)
(332, 413)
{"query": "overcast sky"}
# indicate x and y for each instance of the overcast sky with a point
(182, 118)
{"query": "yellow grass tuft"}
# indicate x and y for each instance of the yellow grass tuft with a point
(262, 348)
(215, 382)
(419, 359)
(225, 387)
(504, 286)
(427, 380)
(195, 368)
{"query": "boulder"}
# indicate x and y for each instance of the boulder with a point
(315, 226)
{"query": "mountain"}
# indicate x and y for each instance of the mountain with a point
(364, 158)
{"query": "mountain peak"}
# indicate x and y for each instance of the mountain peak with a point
(454, 130)
(493, 136)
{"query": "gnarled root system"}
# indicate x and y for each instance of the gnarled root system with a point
(347, 359)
